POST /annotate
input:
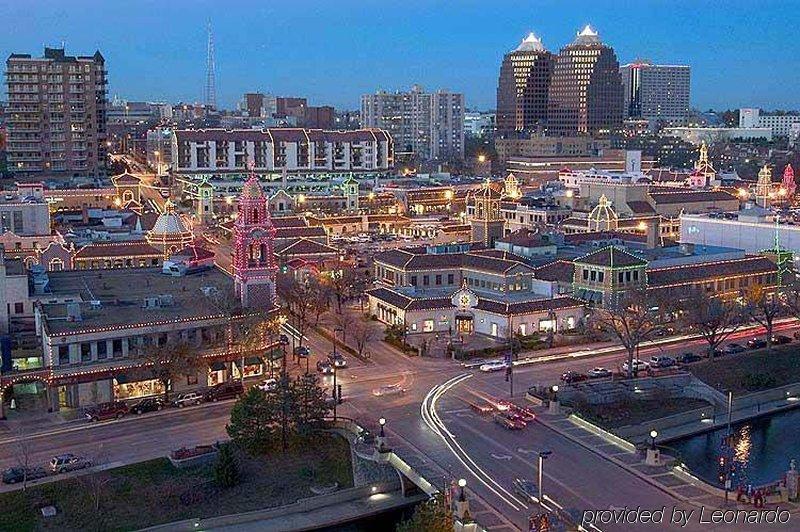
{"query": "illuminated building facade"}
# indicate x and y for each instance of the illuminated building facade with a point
(523, 86)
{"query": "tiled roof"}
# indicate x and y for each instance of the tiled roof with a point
(611, 256)
(132, 249)
(525, 238)
(288, 221)
(559, 270)
(195, 253)
(694, 273)
(579, 238)
(695, 196)
(493, 261)
(304, 246)
(299, 232)
(641, 207)
(394, 257)
(525, 307)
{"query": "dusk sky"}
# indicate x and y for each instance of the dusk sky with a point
(742, 52)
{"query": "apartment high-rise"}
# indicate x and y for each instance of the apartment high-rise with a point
(523, 86)
(656, 93)
(586, 88)
(428, 126)
(57, 114)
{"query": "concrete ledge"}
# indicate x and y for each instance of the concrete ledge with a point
(597, 431)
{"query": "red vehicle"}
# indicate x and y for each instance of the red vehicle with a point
(480, 408)
(507, 423)
(225, 390)
(525, 414)
(104, 411)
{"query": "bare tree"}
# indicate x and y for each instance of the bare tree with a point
(302, 299)
(713, 317)
(95, 482)
(170, 360)
(363, 333)
(764, 306)
(344, 321)
(23, 450)
(631, 318)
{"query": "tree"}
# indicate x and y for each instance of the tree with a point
(713, 317)
(363, 334)
(23, 451)
(302, 299)
(94, 483)
(631, 318)
(432, 515)
(309, 404)
(169, 361)
(344, 321)
(254, 418)
(226, 469)
(764, 306)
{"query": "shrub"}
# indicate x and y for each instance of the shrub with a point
(759, 381)
(226, 470)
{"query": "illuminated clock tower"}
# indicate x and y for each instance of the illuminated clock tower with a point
(254, 266)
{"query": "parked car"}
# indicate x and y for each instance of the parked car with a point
(733, 348)
(268, 385)
(489, 367)
(756, 343)
(390, 389)
(188, 399)
(302, 351)
(638, 365)
(661, 361)
(104, 411)
(68, 462)
(150, 404)
(689, 358)
(337, 360)
(599, 373)
(780, 339)
(573, 376)
(225, 390)
(325, 367)
(13, 475)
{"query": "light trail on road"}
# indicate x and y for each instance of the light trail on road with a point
(434, 422)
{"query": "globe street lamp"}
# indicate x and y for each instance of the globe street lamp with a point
(462, 483)
(555, 392)
(653, 436)
(382, 423)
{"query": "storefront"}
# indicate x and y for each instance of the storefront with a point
(217, 373)
(123, 389)
(253, 367)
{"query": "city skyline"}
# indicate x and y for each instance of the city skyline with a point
(159, 52)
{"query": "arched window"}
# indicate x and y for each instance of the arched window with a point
(127, 196)
(56, 265)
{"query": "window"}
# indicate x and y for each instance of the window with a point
(427, 326)
(86, 352)
(636, 275)
(601, 276)
(19, 308)
(413, 280)
(450, 278)
(102, 350)
(585, 275)
(593, 275)
(191, 379)
(438, 280)
(621, 277)
(426, 280)
(63, 354)
(627, 277)
(116, 347)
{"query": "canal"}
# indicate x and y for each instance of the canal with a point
(760, 449)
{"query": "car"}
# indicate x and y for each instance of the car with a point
(68, 462)
(337, 360)
(526, 488)
(661, 361)
(104, 411)
(573, 376)
(638, 365)
(325, 367)
(150, 404)
(599, 373)
(302, 351)
(525, 414)
(188, 399)
(268, 385)
(225, 390)
(507, 423)
(689, 358)
(780, 339)
(390, 389)
(13, 475)
(489, 367)
(733, 348)
(756, 343)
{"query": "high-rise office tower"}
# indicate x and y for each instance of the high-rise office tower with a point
(523, 86)
(57, 114)
(586, 88)
(656, 93)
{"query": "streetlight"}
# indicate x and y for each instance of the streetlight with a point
(382, 423)
(333, 364)
(653, 436)
(543, 455)
(462, 483)
(555, 392)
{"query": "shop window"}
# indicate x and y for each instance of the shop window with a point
(427, 326)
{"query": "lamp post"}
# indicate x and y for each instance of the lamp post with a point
(653, 436)
(462, 483)
(555, 393)
(382, 423)
(333, 365)
(543, 455)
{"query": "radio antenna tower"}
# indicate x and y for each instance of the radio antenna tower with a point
(211, 89)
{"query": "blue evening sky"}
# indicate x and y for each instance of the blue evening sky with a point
(742, 52)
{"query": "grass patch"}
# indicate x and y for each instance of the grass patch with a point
(623, 413)
(750, 371)
(154, 492)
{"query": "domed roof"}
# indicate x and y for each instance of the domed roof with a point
(531, 43)
(587, 36)
(168, 222)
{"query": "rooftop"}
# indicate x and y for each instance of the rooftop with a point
(121, 294)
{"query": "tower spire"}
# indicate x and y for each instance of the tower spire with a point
(211, 88)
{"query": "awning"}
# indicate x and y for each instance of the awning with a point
(275, 354)
(121, 378)
(217, 366)
(253, 361)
